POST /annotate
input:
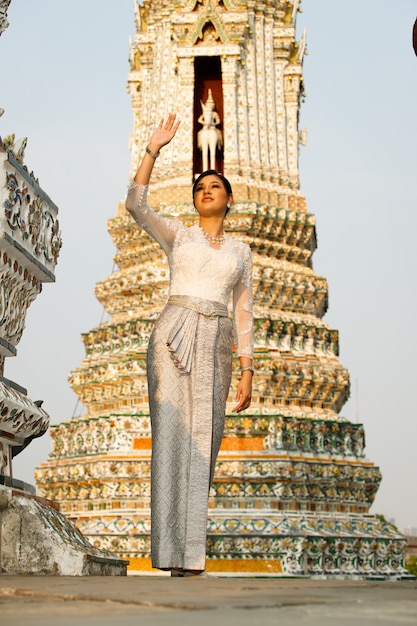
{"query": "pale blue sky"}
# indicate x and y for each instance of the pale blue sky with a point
(63, 74)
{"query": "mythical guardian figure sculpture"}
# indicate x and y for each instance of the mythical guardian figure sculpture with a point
(209, 137)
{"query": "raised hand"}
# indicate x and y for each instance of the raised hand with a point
(161, 137)
(164, 133)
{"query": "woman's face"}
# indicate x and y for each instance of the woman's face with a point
(211, 197)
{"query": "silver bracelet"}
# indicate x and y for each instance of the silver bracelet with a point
(154, 155)
(247, 367)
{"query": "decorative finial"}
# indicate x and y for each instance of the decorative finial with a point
(16, 148)
(4, 5)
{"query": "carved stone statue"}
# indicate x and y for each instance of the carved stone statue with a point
(209, 137)
(4, 5)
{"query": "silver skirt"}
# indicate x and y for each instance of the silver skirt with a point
(187, 407)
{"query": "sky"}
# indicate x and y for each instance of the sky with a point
(63, 74)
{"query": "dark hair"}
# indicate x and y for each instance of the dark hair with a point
(224, 180)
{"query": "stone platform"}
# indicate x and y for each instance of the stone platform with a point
(36, 539)
(160, 601)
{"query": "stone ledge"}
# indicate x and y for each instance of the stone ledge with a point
(20, 485)
(7, 348)
(36, 539)
(13, 385)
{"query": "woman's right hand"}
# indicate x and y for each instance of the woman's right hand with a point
(161, 136)
(164, 133)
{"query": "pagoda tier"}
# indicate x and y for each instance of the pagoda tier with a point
(293, 488)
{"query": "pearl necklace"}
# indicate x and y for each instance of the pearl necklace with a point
(212, 239)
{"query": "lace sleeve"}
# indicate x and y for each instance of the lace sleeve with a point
(243, 308)
(162, 229)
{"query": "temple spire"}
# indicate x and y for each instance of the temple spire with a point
(293, 488)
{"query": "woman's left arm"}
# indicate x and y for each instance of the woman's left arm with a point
(244, 389)
(243, 320)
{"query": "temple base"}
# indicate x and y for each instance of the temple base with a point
(257, 544)
(35, 539)
(344, 546)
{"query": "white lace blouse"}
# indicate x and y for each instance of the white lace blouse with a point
(197, 269)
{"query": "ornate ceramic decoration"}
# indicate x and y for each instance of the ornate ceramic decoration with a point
(21, 419)
(293, 486)
(29, 216)
(18, 289)
(30, 241)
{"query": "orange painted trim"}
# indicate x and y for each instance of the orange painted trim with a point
(244, 566)
(219, 566)
(141, 565)
(142, 443)
(246, 444)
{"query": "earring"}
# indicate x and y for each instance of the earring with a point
(228, 205)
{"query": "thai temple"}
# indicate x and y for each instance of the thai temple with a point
(293, 487)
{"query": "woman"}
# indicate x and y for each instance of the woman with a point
(189, 361)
